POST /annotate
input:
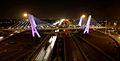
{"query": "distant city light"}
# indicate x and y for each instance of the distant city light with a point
(11, 34)
(57, 30)
(119, 37)
(17, 31)
(1, 37)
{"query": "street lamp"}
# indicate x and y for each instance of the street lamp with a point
(25, 14)
(83, 16)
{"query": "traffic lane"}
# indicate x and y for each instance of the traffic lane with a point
(17, 45)
(5, 33)
(92, 52)
(72, 52)
(42, 46)
(40, 49)
(58, 50)
(102, 41)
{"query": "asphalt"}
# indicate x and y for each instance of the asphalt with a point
(69, 46)
(104, 42)
(17, 46)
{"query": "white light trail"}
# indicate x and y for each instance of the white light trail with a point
(61, 21)
(40, 55)
(45, 54)
(56, 23)
(50, 47)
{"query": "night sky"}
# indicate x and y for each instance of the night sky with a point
(99, 9)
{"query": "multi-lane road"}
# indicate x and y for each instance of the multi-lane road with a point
(70, 45)
(85, 47)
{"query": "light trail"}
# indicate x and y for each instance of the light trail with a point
(45, 54)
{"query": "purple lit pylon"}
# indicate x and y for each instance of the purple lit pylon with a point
(33, 25)
(87, 25)
(80, 22)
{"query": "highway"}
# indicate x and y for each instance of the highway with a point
(82, 47)
(90, 51)
(61, 40)
(104, 42)
(70, 45)
(19, 46)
